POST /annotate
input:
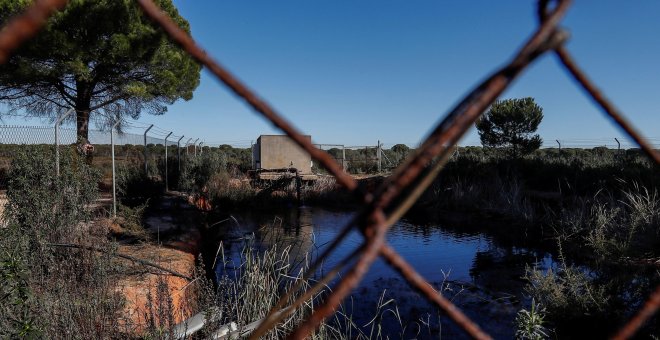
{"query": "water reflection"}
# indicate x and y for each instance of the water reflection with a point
(482, 276)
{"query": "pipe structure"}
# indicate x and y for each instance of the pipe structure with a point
(114, 180)
(166, 175)
(195, 146)
(178, 152)
(188, 142)
(145, 149)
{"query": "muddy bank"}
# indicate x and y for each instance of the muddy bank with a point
(172, 241)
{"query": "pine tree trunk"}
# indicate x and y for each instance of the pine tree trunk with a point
(82, 125)
(83, 102)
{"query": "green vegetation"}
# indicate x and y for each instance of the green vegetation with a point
(47, 289)
(510, 123)
(100, 67)
(530, 323)
(597, 209)
(251, 285)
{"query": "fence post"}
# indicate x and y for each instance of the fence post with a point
(252, 154)
(378, 156)
(195, 146)
(178, 153)
(557, 140)
(188, 142)
(57, 140)
(146, 173)
(343, 157)
(200, 147)
(166, 176)
(114, 181)
(619, 144)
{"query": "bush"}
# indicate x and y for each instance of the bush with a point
(198, 171)
(48, 290)
(44, 206)
(134, 187)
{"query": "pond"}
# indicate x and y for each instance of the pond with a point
(482, 276)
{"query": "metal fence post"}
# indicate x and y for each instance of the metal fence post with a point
(557, 140)
(146, 173)
(166, 180)
(200, 147)
(252, 154)
(187, 143)
(343, 157)
(57, 140)
(114, 180)
(618, 143)
(195, 146)
(178, 153)
(378, 156)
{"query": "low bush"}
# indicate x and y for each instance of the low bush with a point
(52, 291)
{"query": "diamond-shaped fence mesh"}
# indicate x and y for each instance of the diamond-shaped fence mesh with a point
(387, 203)
(129, 147)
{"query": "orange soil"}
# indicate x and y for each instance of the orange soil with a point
(177, 255)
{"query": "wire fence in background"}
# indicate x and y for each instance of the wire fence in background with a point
(158, 154)
(386, 204)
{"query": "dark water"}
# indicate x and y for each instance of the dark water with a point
(482, 276)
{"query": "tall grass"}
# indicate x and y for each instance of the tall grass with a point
(248, 287)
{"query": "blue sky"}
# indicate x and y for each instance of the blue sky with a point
(354, 72)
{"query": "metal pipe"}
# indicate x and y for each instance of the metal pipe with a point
(166, 180)
(114, 180)
(188, 142)
(378, 155)
(254, 166)
(195, 146)
(619, 144)
(178, 152)
(146, 173)
(557, 140)
(343, 157)
(57, 140)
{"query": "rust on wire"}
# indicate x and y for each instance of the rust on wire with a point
(448, 131)
(650, 307)
(372, 244)
(605, 104)
(418, 282)
(186, 42)
(25, 26)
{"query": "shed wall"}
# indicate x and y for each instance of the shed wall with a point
(277, 152)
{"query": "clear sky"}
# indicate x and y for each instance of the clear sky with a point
(354, 72)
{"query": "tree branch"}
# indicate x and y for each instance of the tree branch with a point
(109, 101)
(128, 257)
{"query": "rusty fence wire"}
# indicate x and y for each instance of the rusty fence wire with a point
(386, 204)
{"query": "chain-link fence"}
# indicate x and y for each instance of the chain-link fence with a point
(386, 204)
(141, 152)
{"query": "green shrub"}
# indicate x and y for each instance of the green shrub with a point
(530, 323)
(198, 171)
(44, 206)
(48, 290)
